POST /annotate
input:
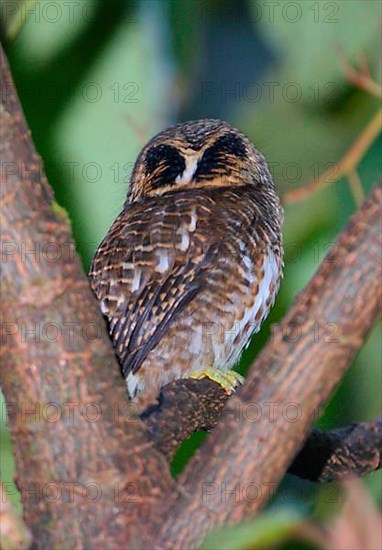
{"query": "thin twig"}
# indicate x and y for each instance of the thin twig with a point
(346, 165)
(361, 79)
(356, 187)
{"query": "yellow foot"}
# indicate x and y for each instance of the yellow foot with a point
(227, 379)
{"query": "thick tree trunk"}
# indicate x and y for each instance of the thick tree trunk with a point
(86, 472)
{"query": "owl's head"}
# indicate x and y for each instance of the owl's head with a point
(195, 154)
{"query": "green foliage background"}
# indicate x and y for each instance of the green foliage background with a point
(98, 80)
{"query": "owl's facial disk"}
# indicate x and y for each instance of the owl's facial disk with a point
(178, 158)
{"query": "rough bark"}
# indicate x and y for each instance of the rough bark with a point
(87, 474)
(284, 389)
(185, 407)
(190, 405)
(332, 456)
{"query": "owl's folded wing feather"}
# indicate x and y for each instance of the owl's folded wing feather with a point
(147, 270)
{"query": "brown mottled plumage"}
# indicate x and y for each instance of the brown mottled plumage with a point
(191, 266)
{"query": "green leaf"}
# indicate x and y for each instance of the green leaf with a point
(267, 529)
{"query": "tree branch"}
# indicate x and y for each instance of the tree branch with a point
(185, 406)
(189, 405)
(333, 456)
(65, 397)
(347, 165)
(291, 378)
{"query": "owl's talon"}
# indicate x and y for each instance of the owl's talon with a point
(228, 380)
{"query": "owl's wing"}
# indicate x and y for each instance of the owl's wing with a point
(148, 268)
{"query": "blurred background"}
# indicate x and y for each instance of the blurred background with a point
(98, 78)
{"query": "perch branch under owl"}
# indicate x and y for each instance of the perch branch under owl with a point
(325, 456)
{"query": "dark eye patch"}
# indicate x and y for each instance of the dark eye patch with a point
(232, 144)
(215, 157)
(167, 161)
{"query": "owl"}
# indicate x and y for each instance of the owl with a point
(191, 266)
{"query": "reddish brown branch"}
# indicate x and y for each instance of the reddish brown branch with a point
(348, 163)
(289, 379)
(361, 77)
(185, 406)
(87, 477)
(189, 405)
